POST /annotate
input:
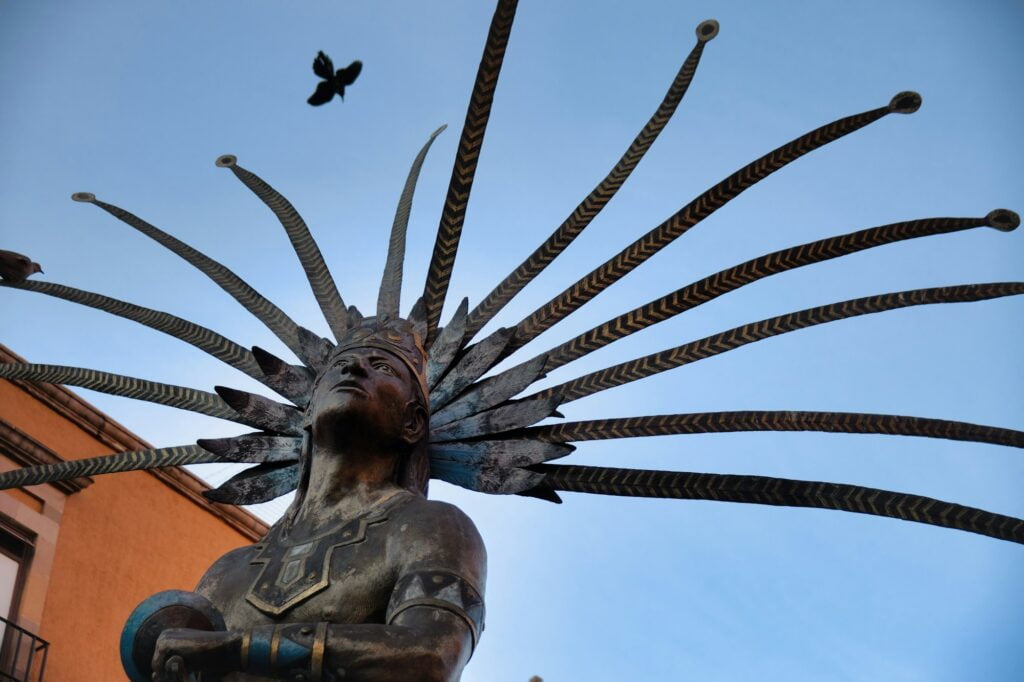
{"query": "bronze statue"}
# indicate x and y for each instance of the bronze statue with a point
(391, 402)
(363, 578)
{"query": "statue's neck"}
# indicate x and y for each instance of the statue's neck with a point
(343, 484)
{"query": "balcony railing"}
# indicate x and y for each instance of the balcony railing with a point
(22, 654)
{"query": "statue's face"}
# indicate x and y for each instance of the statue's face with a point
(368, 393)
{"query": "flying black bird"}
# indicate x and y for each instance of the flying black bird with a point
(15, 267)
(334, 82)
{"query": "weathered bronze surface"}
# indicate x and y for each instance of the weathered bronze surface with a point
(363, 578)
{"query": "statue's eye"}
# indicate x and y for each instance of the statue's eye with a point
(384, 367)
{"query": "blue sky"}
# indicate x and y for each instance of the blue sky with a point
(134, 101)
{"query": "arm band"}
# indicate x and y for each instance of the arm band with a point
(440, 590)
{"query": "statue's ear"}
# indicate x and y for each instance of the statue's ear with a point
(415, 426)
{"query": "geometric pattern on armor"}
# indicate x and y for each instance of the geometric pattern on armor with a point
(442, 590)
(292, 573)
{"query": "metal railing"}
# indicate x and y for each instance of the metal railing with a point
(22, 654)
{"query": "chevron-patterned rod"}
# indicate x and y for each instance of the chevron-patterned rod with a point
(211, 342)
(453, 215)
(780, 492)
(389, 297)
(715, 344)
(737, 276)
(588, 209)
(704, 205)
(723, 422)
(266, 312)
(171, 395)
(107, 464)
(319, 276)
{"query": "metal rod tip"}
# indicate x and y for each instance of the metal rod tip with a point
(906, 102)
(706, 30)
(1003, 219)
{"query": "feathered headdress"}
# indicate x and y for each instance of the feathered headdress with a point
(484, 433)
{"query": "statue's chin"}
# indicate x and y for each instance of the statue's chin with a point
(353, 418)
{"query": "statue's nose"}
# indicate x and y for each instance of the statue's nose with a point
(355, 366)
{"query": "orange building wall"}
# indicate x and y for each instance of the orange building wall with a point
(121, 539)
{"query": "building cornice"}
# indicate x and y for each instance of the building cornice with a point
(27, 451)
(119, 439)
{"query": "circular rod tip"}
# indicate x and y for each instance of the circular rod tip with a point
(226, 160)
(87, 197)
(1003, 219)
(906, 102)
(706, 30)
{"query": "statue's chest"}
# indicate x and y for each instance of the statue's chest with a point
(338, 575)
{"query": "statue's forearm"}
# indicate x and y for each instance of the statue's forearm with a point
(324, 651)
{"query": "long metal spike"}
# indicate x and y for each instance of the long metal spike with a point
(737, 276)
(204, 339)
(704, 205)
(756, 331)
(388, 300)
(107, 464)
(184, 398)
(319, 276)
(588, 209)
(446, 245)
(760, 420)
(266, 312)
(781, 492)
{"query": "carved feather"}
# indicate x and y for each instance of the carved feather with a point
(319, 276)
(490, 392)
(709, 346)
(721, 422)
(291, 381)
(505, 418)
(260, 483)
(107, 464)
(389, 297)
(447, 345)
(471, 366)
(781, 491)
(697, 210)
(588, 209)
(263, 412)
(257, 448)
(266, 312)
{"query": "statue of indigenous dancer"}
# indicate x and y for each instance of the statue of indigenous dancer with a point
(364, 578)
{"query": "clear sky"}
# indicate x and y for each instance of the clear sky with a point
(134, 100)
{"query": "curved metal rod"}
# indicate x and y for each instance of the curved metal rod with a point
(204, 339)
(446, 244)
(709, 346)
(266, 312)
(588, 209)
(704, 205)
(319, 276)
(184, 398)
(781, 492)
(737, 276)
(389, 297)
(761, 420)
(107, 464)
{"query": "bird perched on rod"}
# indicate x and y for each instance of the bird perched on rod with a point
(14, 267)
(334, 81)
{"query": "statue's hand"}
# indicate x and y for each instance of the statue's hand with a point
(180, 651)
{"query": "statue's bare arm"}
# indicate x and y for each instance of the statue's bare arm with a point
(433, 619)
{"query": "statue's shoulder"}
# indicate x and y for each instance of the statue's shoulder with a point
(439, 533)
